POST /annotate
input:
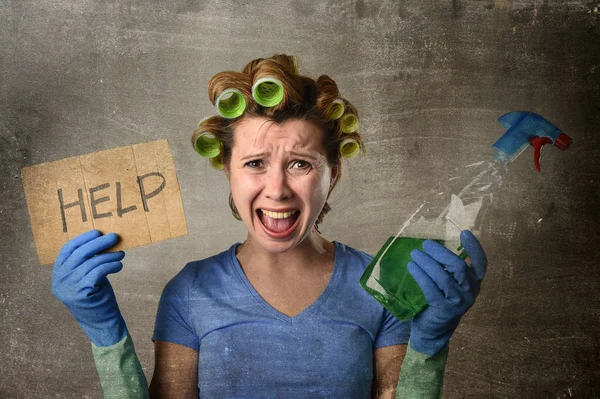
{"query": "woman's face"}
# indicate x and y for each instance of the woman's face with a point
(280, 179)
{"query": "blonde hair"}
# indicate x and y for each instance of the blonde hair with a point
(304, 98)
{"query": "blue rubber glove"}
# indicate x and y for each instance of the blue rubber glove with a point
(79, 281)
(448, 296)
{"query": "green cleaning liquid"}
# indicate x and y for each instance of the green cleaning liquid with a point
(387, 278)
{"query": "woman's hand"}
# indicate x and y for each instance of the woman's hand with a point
(450, 287)
(79, 281)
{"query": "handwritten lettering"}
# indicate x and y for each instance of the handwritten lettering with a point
(96, 198)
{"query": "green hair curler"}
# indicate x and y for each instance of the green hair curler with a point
(231, 103)
(267, 91)
(349, 148)
(207, 145)
(216, 163)
(349, 123)
(335, 110)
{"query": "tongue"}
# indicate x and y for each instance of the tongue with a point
(278, 225)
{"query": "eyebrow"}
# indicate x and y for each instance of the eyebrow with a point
(302, 154)
(262, 154)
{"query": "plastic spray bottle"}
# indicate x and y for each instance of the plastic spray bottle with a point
(442, 217)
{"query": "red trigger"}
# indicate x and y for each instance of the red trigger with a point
(537, 143)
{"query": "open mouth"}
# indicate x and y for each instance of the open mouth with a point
(278, 224)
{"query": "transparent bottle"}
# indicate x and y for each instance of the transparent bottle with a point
(461, 205)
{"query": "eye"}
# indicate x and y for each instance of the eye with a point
(255, 163)
(300, 164)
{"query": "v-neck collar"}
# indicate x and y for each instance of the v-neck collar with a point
(307, 310)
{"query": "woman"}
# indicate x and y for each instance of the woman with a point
(281, 314)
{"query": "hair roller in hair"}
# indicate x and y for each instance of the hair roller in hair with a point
(230, 103)
(216, 163)
(267, 91)
(349, 123)
(207, 145)
(205, 142)
(335, 110)
(230, 93)
(349, 148)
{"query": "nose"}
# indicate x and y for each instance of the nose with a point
(277, 186)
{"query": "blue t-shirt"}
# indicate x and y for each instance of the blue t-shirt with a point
(248, 349)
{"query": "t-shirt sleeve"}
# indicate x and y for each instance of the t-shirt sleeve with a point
(392, 331)
(172, 318)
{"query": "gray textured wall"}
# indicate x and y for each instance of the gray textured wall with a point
(429, 78)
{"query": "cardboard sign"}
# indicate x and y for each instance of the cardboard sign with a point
(132, 191)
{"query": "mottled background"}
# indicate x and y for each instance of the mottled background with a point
(429, 78)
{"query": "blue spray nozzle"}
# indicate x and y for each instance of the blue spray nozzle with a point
(527, 128)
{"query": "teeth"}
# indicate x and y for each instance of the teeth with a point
(278, 215)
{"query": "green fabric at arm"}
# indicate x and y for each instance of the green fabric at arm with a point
(120, 371)
(421, 376)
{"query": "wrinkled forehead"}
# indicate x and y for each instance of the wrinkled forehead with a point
(261, 135)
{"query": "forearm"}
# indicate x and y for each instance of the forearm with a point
(421, 376)
(120, 371)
